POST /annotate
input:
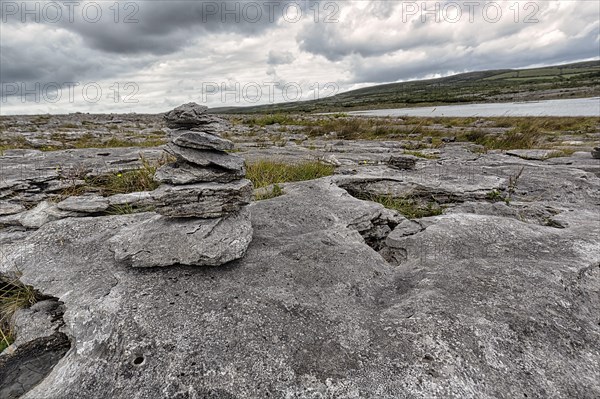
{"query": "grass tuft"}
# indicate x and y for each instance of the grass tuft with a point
(132, 181)
(264, 173)
(407, 206)
(14, 295)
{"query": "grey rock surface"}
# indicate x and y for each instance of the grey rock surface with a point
(203, 200)
(159, 241)
(478, 305)
(538, 155)
(137, 199)
(402, 161)
(43, 213)
(202, 141)
(187, 116)
(184, 173)
(84, 204)
(38, 347)
(7, 208)
(207, 158)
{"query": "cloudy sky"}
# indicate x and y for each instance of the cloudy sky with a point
(150, 56)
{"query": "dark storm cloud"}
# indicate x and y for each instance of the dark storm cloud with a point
(156, 27)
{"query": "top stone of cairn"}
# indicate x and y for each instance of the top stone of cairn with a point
(188, 116)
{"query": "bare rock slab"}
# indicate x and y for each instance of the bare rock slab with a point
(161, 241)
(183, 173)
(207, 158)
(203, 200)
(534, 155)
(84, 204)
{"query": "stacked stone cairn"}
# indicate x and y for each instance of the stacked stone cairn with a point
(205, 181)
(201, 205)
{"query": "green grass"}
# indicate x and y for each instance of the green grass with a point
(14, 295)
(265, 172)
(132, 181)
(421, 154)
(407, 206)
(275, 191)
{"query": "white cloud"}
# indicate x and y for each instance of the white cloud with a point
(176, 49)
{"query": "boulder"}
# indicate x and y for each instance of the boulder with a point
(202, 200)
(189, 241)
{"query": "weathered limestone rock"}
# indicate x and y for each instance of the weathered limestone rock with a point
(39, 345)
(402, 162)
(84, 204)
(202, 200)
(7, 208)
(188, 116)
(202, 141)
(139, 199)
(480, 304)
(185, 173)
(534, 155)
(43, 213)
(189, 241)
(207, 158)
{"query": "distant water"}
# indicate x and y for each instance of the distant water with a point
(568, 107)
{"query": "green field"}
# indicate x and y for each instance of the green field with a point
(554, 82)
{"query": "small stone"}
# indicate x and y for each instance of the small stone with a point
(402, 162)
(203, 200)
(185, 173)
(596, 153)
(405, 228)
(194, 242)
(207, 158)
(84, 204)
(202, 141)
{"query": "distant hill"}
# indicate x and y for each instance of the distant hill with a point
(505, 85)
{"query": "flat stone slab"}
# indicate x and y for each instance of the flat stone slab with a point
(202, 141)
(534, 155)
(84, 204)
(161, 241)
(43, 213)
(203, 200)
(184, 173)
(7, 208)
(206, 158)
